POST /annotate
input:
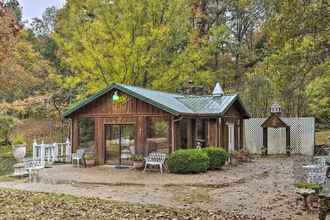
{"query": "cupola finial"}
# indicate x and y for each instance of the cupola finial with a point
(217, 91)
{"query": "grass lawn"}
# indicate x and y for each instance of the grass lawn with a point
(322, 137)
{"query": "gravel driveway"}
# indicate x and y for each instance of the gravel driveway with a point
(262, 188)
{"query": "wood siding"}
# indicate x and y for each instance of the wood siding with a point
(104, 111)
(105, 107)
(212, 134)
(136, 112)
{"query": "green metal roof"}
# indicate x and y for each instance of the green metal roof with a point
(208, 104)
(173, 103)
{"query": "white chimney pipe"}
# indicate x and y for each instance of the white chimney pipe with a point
(217, 91)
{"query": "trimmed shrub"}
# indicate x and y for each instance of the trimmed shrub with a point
(217, 156)
(188, 161)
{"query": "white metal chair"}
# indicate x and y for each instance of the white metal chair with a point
(78, 156)
(317, 172)
(33, 166)
(155, 159)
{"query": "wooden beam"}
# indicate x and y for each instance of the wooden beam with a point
(212, 132)
(222, 133)
(193, 132)
(75, 134)
(177, 132)
(288, 144)
(116, 115)
(169, 137)
(100, 143)
(241, 133)
(236, 144)
(265, 140)
(173, 138)
(189, 133)
(141, 135)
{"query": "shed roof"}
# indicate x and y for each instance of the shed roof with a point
(173, 103)
(274, 121)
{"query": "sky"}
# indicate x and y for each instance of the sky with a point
(35, 8)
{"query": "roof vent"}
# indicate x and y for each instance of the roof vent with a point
(217, 91)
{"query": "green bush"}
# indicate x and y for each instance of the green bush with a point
(7, 125)
(188, 161)
(18, 139)
(137, 157)
(217, 156)
(305, 185)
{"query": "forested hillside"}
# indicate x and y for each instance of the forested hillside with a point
(266, 50)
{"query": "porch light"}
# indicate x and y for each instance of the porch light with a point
(115, 96)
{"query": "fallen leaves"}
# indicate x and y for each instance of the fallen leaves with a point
(17, 204)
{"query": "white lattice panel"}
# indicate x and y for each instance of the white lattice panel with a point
(276, 141)
(301, 138)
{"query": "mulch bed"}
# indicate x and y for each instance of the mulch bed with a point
(16, 204)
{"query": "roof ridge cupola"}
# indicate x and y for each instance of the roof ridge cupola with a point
(217, 91)
(276, 109)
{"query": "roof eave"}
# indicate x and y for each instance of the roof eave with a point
(236, 98)
(69, 112)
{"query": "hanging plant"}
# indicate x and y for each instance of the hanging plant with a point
(118, 99)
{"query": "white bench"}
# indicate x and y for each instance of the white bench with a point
(155, 159)
(33, 166)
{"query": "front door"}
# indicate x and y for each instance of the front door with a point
(120, 143)
(231, 137)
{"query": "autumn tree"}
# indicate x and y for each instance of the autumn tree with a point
(22, 70)
(146, 43)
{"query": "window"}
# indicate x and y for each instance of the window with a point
(157, 135)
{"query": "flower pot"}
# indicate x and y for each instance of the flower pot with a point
(138, 164)
(19, 151)
(90, 163)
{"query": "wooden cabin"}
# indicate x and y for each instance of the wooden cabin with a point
(125, 120)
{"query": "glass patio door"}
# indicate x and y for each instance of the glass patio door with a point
(120, 143)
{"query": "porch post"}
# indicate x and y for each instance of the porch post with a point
(241, 133)
(265, 140)
(173, 134)
(99, 141)
(193, 132)
(169, 137)
(212, 132)
(189, 133)
(75, 134)
(221, 133)
(141, 136)
(176, 134)
(288, 147)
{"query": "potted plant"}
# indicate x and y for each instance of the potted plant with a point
(19, 147)
(89, 159)
(138, 161)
